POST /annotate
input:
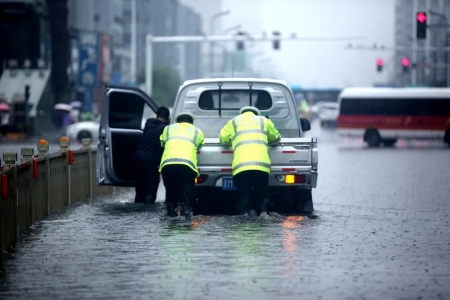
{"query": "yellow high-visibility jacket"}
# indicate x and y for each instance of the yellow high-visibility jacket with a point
(181, 142)
(249, 136)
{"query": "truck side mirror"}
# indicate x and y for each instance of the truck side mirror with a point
(305, 124)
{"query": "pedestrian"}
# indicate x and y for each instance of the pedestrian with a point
(181, 142)
(249, 135)
(4, 122)
(147, 157)
(74, 115)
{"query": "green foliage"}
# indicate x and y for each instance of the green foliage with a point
(166, 82)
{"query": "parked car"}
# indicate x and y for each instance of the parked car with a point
(83, 130)
(328, 114)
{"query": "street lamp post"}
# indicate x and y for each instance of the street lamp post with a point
(444, 18)
(225, 48)
(133, 41)
(211, 32)
(231, 29)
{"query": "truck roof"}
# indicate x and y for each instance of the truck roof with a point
(232, 79)
(361, 92)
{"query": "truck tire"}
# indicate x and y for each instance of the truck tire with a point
(303, 202)
(389, 142)
(372, 137)
(84, 135)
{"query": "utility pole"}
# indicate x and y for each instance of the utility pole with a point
(211, 32)
(133, 41)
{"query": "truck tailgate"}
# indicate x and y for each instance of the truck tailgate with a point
(290, 152)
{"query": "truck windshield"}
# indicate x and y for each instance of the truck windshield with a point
(234, 100)
(205, 106)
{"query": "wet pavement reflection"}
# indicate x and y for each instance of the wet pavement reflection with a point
(382, 232)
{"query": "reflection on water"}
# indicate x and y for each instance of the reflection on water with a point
(136, 248)
(289, 239)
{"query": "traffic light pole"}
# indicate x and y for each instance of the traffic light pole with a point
(150, 40)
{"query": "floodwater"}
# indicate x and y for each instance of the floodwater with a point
(382, 232)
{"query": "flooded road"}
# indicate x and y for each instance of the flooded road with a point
(382, 233)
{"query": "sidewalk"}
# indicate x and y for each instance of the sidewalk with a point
(17, 138)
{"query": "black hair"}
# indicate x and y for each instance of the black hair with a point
(185, 119)
(163, 112)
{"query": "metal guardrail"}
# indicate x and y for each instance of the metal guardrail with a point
(44, 183)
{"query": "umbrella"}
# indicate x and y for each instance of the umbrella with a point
(4, 107)
(63, 106)
(76, 104)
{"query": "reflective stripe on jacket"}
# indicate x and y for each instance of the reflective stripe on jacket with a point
(180, 142)
(249, 136)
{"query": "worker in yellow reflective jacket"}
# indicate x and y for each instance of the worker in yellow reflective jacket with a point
(179, 163)
(249, 135)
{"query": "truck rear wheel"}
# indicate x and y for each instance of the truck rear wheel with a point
(303, 202)
(372, 137)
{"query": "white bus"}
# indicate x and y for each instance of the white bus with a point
(382, 115)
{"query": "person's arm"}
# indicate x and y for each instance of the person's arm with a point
(163, 137)
(226, 133)
(273, 136)
(200, 139)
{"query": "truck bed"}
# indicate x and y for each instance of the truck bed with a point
(290, 155)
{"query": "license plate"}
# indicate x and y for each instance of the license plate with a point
(228, 184)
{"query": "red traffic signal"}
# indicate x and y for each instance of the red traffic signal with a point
(421, 25)
(380, 63)
(421, 17)
(405, 62)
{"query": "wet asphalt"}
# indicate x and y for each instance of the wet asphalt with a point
(382, 232)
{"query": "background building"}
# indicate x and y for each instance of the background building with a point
(207, 9)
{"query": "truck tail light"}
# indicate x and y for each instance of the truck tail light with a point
(201, 179)
(291, 178)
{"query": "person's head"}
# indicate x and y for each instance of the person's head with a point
(185, 117)
(163, 114)
(252, 109)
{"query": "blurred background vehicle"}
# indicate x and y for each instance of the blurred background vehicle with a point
(89, 129)
(328, 113)
(84, 130)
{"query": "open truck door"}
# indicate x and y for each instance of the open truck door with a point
(124, 113)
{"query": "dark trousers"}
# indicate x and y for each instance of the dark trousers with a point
(251, 183)
(4, 129)
(147, 182)
(179, 181)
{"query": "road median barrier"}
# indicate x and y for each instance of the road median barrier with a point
(43, 183)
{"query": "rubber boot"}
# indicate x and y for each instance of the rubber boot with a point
(187, 212)
(148, 200)
(262, 206)
(171, 210)
(242, 206)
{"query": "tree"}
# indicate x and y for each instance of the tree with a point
(166, 82)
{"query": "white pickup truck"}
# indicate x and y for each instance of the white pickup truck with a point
(214, 102)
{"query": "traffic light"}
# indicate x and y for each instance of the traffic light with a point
(380, 64)
(405, 64)
(276, 42)
(240, 44)
(421, 25)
